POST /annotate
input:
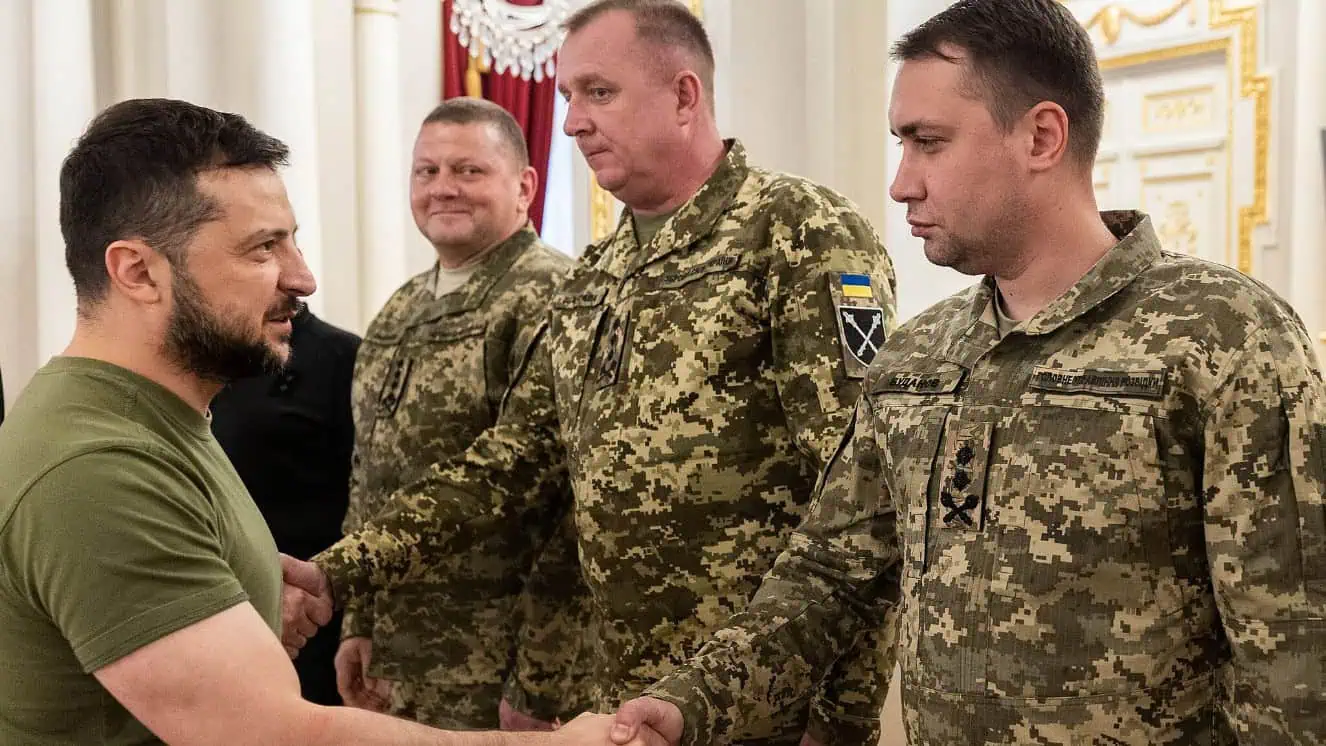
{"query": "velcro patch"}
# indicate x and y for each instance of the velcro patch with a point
(863, 332)
(1149, 384)
(860, 319)
(929, 382)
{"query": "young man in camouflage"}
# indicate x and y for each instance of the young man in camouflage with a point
(429, 378)
(695, 373)
(1092, 483)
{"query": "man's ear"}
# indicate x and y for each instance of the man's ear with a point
(137, 271)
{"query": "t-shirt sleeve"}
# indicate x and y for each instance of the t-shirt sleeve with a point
(119, 548)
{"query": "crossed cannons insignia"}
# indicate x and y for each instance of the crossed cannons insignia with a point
(863, 331)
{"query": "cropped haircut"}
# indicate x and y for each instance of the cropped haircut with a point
(1020, 53)
(664, 23)
(464, 110)
(134, 175)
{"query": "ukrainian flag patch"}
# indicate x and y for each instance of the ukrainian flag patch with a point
(855, 286)
(860, 321)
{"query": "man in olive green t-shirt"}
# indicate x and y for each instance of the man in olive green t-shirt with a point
(125, 522)
(140, 590)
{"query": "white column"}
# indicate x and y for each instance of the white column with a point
(63, 104)
(286, 108)
(137, 37)
(192, 56)
(823, 126)
(381, 162)
(1308, 226)
(18, 281)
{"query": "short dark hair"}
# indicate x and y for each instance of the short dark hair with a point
(1021, 52)
(134, 174)
(666, 23)
(465, 110)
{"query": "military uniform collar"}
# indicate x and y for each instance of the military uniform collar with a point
(694, 220)
(1137, 249)
(471, 295)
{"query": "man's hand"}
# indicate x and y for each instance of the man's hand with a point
(306, 603)
(592, 730)
(357, 688)
(509, 718)
(647, 721)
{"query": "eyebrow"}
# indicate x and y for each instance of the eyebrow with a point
(912, 128)
(268, 234)
(580, 81)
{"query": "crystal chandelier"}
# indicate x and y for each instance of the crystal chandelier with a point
(506, 36)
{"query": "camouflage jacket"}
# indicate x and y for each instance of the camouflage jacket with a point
(694, 387)
(429, 378)
(1105, 528)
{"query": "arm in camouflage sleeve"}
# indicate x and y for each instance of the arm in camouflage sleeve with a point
(837, 579)
(493, 487)
(549, 679)
(357, 620)
(811, 370)
(1265, 476)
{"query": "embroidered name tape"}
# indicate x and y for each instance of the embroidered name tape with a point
(1144, 383)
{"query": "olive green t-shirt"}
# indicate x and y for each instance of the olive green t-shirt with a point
(647, 226)
(121, 521)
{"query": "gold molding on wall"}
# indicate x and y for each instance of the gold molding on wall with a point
(600, 201)
(1256, 86)
(1242, 23)
(378, 7)
(1111, 18)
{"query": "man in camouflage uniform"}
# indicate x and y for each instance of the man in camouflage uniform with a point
(1093, 482)
(695, 372)
(428, 379)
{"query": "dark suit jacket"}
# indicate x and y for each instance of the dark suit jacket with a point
(291, 438)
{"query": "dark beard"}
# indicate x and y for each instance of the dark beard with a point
(204, 345)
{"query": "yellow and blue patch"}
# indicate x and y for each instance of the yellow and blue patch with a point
(860, 321)
(856, 286)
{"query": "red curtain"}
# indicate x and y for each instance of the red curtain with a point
(530, 102)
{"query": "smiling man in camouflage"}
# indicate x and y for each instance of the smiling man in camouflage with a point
(428, 380)
(696, 371)
(1092, 483)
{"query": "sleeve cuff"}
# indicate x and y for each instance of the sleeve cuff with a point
(339, 576)
(704, 721)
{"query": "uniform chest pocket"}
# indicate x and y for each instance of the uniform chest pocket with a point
(913, 411)
(576, 317)
(696, 327)
(1078, 499)
(438, 379)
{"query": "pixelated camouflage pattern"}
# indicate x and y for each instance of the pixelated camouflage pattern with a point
(1141, 468)
(429, 378)
(697, 385)
(550, 677)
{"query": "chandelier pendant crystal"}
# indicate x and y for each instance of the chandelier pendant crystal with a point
(521, 39)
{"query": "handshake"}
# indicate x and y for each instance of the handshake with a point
(307, 603)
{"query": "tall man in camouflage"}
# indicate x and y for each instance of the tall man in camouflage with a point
(696, 370)
(428, 379)
(1092, 482)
